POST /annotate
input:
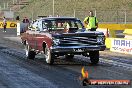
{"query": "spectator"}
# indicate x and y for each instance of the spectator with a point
(25, 20)
(4, 24)
(91, 22)
(17, 18)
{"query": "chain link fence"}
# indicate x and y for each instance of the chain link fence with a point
(9, 8)
(107, 16)
(103, 16)
(62, 9)
(8, 14)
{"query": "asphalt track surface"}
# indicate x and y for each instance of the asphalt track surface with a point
(18, 72)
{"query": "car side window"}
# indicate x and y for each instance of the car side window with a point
(44, 26)
(39, 26)
(34, 26)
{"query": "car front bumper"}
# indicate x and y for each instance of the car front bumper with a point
(77, 49)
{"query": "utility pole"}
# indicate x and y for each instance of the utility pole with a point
(0, 8)
(95, 12)
(32, 13)
(53, 7)
(10, 9)
(13, 2)
(19, 4)
(4, 5)
(7, 5)
(74, 13)
(125, 16)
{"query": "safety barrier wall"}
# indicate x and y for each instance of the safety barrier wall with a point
(115, 26)
(13, 24)
(112, 28)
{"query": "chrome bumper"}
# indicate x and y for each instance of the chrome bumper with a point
(77, 49)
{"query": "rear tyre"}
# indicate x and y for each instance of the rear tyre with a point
(94, 57)
(29, 54)
(49, 56)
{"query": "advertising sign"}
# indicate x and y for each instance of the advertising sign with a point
(121, 45)
(9, 24)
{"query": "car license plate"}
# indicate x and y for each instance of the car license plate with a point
(78, 50)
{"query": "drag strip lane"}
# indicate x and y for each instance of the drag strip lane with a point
(115, 63)
(16, 76)
(60, 77)
(63, 74)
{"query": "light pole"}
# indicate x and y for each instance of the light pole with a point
(53, 7)
(4, 6)
(13, 2)
(0, 8)
(7, 5)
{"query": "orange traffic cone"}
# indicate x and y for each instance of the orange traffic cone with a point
(107, 33)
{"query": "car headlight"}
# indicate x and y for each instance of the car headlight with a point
(100, 39)
(56, 41)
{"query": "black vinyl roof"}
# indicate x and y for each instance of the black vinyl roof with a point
(61, 18)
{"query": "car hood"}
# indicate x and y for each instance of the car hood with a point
(78, 34)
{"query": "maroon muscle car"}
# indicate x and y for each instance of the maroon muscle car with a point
(62, 36)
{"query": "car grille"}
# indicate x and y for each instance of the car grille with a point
(78, 41)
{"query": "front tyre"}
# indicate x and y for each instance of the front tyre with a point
(94, 57)
(49, 56)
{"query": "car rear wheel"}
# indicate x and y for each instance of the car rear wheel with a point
(49, 56)
(94, 57)
(29, 54)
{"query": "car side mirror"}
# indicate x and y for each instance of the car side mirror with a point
(30, 27)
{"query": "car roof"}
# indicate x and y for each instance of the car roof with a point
(51, 18)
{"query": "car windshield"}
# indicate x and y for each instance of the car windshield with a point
(58, 24)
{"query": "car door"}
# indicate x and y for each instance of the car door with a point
(32, 35)
(41, 35)
(36, 37)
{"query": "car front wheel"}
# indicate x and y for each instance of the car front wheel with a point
(49, 56)
(94, 57)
